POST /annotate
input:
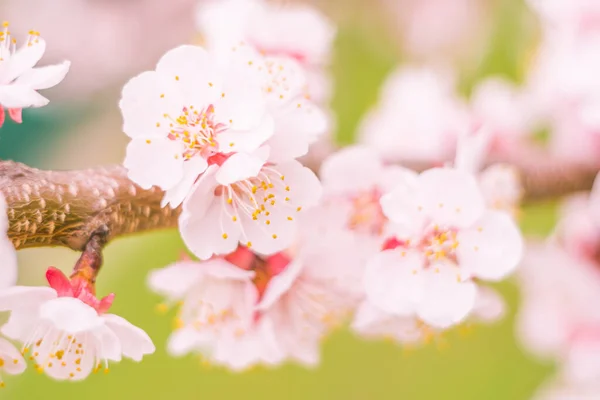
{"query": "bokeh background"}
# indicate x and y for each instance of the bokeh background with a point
(112, 40)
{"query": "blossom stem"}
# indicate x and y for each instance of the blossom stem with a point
(90, 261)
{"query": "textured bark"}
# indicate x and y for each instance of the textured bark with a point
(64, 208)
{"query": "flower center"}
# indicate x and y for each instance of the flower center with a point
(436, 244)
(8, 44)
(197, 130)
(366, 215)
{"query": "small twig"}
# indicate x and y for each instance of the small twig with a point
(90, 261)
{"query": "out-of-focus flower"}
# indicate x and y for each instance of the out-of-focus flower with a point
(402, 126)
(11, 361)
(64, 327)
(247, 201)
(574, 16)
(108, 41)
(243, 309)
(294, 31)
(560, 390)
(439, 29)
(8, 255)
(505, 109)
(19, 80)
(442, 236)
(196, 109)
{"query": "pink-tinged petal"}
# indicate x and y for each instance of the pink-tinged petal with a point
(154, 162)
(19, 96)
(16, 114)
(391, 175)
(24, 59)
(2, 115)
(147, 102)
(22, 297)
(187, 340)
(472, 149)
(59, 282)
(372, 322)
(192, 72)
(447, 300)
(14, 363)
(489, 305)
(135, 343)
(403, 208)
(44, 77)
(249, 140)
(70, 315)
(209, 234)
(192, 169)
(492, 248)
(201, 195)
(105, 303)
(175, 280)
(394, 281)
(582, 361)
(280, 284)
(221, 269)
(450, 197)
(297, 125)
(350, 170)
(305, 188)
(238, 167)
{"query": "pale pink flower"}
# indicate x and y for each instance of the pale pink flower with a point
(187, 111)
(401, 127)
(243, 309)
(442, 236)
(11, 361)
(65, 330)
(19, 80)
(438, 29)
(577, 16)
(247, 201)
(107, 41)
(505, 109)
(8, 255)
(557, 389)
(295, 31)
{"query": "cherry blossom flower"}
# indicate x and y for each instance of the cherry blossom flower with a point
(11, 361)
(247, 201)
(401, 127)
(8, 255)
(244, 309)
(578, 16)
(19, 81)
(299, 32)
(197, 109)
(442, 237)
(64, 327)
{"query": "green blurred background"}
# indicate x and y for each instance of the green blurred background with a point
(483, 362)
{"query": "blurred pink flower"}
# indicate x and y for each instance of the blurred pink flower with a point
(106, 40)
(418, 118)
(575, 16)
(243, 310)
(296, 31)
(19, 80)
(437, 29)
(441, 237)
(66, 329)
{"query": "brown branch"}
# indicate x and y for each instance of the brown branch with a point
(65, 208)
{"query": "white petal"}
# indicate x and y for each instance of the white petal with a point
(247, 140)
(238, 167)
(351, 169)
(192, 168)
(14, 363)
(394, 281)
(44, 77)
(20, 96)
(492, 248)
(450, 197)
(148, 103)
(22, 297)
(280, 284)
(211, 233)
(21, 324)
(187, 340)
(305, 187)
(108, 342)
(489, 305)
(24, 59)
(154, 162)
(447, 300)
(70, 315)
(135, 343)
